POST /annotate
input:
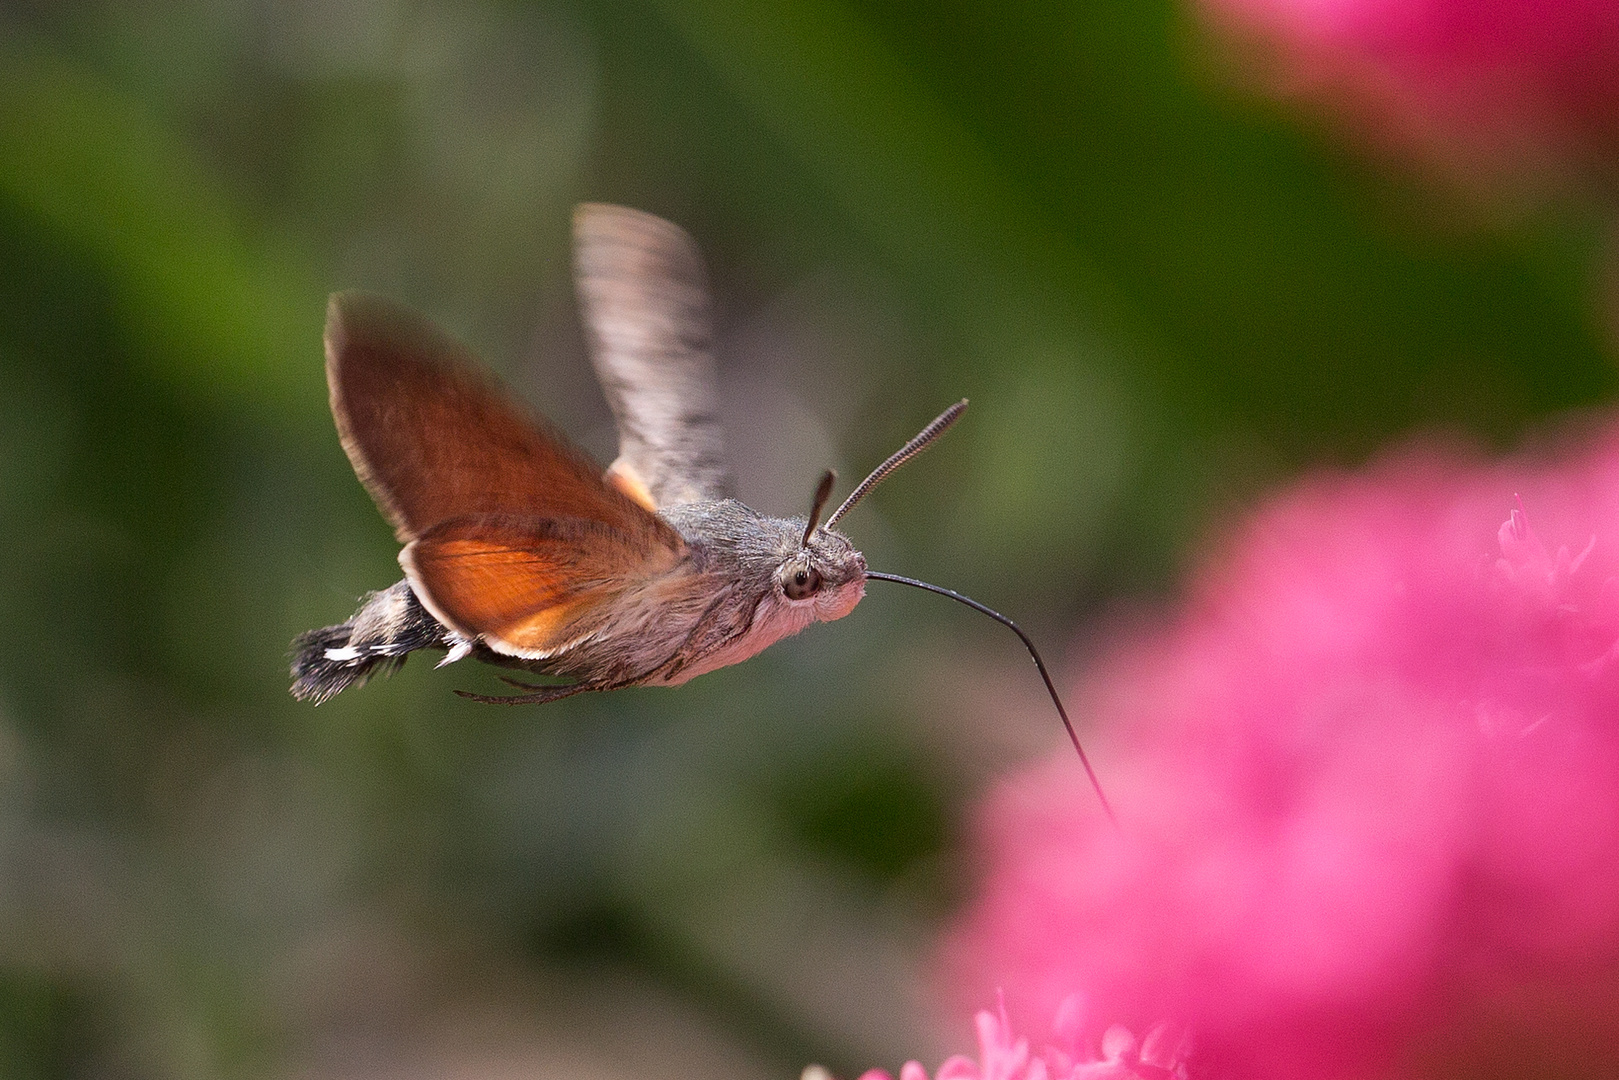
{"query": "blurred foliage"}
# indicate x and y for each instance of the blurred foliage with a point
(870, 809)
(1159, 295)
(44, 1027)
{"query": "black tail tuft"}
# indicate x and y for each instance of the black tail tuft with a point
(388, 627)
(316, 676)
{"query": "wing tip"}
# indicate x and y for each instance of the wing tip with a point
(603, 216)
(372, 331)
(601, 227)
(354, 315)
(365, 335)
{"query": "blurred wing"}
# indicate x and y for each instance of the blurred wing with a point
(644, 297)
(432, 439)
(524, 584)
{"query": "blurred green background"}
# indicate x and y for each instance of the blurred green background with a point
(1161, 294)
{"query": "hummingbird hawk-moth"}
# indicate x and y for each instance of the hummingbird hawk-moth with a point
(521, 551)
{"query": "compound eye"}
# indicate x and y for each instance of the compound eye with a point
(802, 583)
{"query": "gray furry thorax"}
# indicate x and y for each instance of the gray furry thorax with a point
(732, 540)
(740, 567)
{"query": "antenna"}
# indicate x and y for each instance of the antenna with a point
(823, 492)
(899, 457)
(1016, 629)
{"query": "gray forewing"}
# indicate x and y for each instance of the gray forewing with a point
(644, 297)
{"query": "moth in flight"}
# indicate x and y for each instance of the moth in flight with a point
(520, 551)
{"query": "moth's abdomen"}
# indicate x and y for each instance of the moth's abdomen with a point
(389, 626)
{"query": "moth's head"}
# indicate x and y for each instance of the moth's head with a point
(825, 577)
(824, 574)
(801, 570)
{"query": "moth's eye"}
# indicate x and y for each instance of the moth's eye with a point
(802, 583)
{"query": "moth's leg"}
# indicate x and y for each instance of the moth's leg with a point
(540, 696)
(521, 685)
(538, 692)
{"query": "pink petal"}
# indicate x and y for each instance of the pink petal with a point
(959, 1068)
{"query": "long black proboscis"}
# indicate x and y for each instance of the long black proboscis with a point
(1040, 664)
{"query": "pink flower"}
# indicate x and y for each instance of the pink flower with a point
(1115, 1055)
(1503, 84)
(1368, 783)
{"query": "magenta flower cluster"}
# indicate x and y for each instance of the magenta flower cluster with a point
(1499, 82)
(1368, 781)
(1070, 1055)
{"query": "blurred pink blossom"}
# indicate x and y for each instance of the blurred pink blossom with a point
(1502, 85)
(1368, 781)
(1072, 1054)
